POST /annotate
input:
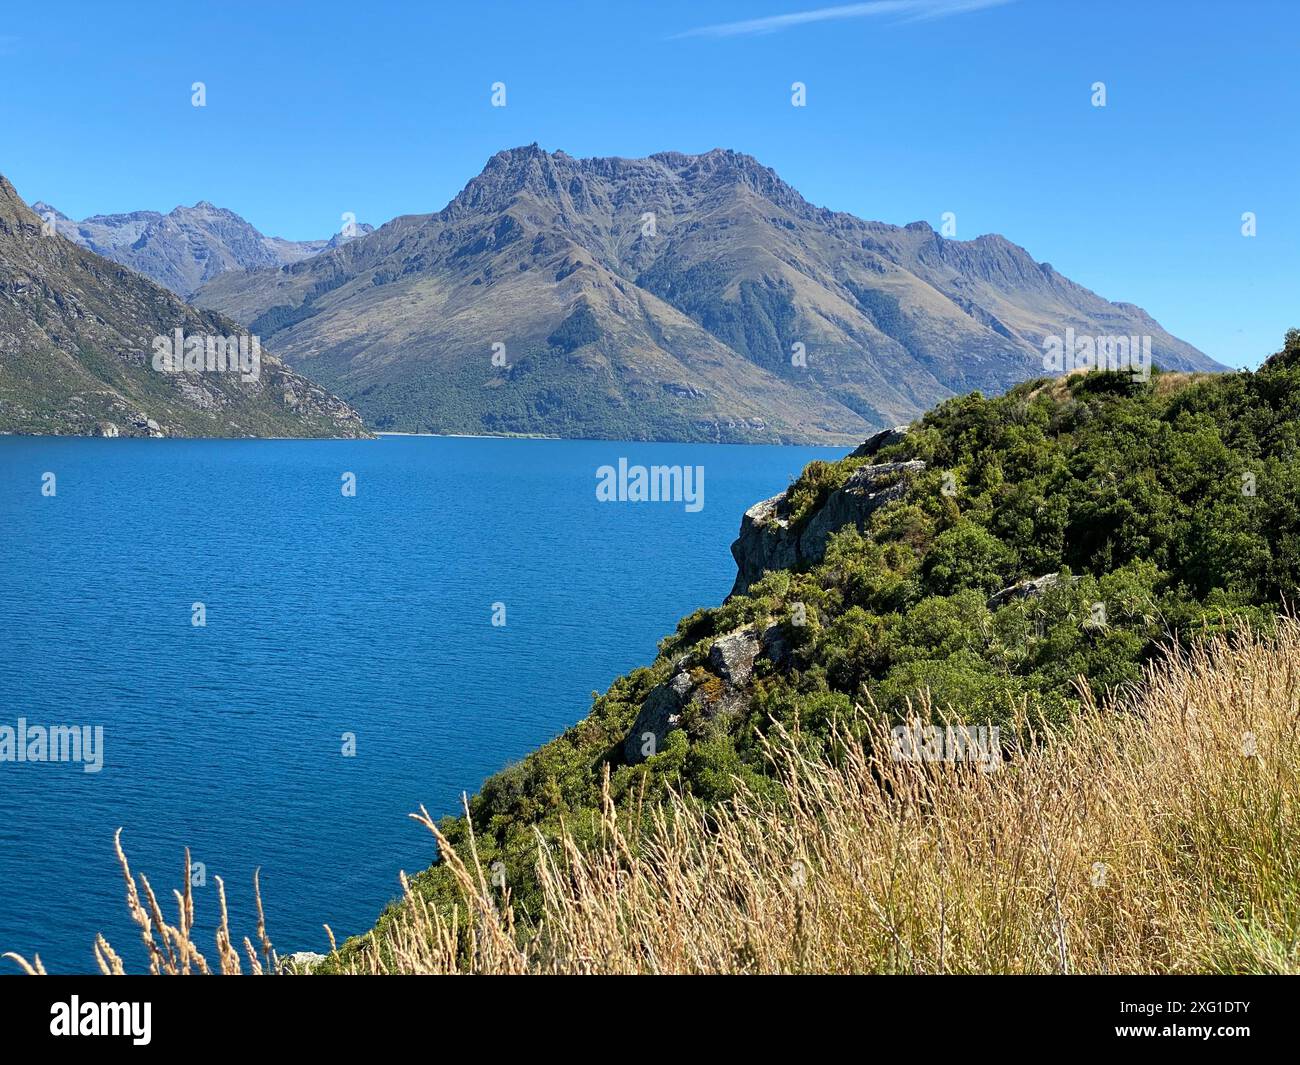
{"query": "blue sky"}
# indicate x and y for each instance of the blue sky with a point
(914, 108)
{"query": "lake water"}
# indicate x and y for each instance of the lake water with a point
(326, 614)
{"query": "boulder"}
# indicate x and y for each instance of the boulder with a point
(658, 717)
(881, 439)
(775, 646)
(721, 691)
(302, 961)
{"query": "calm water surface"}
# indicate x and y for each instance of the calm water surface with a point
(325, 615)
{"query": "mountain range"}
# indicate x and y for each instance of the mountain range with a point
(690, 297)
(677, 297)
(78, 336)
(187, 246)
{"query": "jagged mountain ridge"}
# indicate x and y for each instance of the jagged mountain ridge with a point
(187, 246)
(663, 298)
(76, 335)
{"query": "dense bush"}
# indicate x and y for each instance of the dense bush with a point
(1170, 508)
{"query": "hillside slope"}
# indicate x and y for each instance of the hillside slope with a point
(76, 345)
(981, 566)
(674, 297)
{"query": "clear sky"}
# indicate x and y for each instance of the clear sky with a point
(914, 108)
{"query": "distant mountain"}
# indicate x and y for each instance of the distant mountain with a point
(78, 335)
(188, 246)
(672, 297)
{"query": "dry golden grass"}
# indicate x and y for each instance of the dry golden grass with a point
(1159, 835)
(1167, 383)
(171, 948)
(1155, 837)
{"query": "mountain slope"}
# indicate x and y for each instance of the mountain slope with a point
(187, 246)
(77, 338)
(663, 298)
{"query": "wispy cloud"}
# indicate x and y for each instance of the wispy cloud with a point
(900, 10)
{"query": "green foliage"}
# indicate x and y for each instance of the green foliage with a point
(579, 328)
(967, 556)
(810, 489)
(1169, 510)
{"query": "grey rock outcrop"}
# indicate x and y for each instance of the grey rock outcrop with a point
(732, 657)
(660, 714)
(1026, 589)
(775, 646)
(882, 439)
(299, 962)
(717, 692)
(768, 540)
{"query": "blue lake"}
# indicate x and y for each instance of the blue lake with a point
(325, 614)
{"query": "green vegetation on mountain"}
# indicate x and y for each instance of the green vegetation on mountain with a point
(1159, 512)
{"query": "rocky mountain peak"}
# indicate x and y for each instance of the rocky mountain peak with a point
(41, 208)
(603, 183)
(507, 175)
(726, 165)
(187, 246)
(676, 296)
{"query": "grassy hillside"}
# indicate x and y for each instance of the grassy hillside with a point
(1152, 836)
(1168, 511)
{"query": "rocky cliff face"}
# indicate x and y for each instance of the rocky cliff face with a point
(717, 689)
(769, 540)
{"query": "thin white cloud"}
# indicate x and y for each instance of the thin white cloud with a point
(902, 10)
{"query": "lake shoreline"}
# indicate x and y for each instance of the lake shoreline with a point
(614, 440)
(436, 436)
